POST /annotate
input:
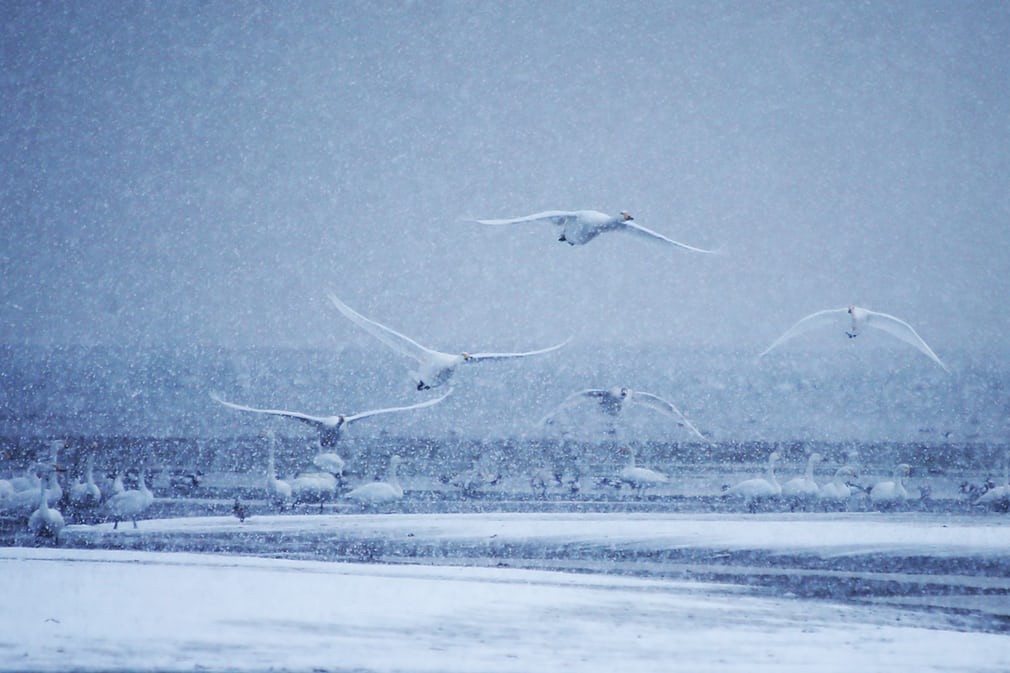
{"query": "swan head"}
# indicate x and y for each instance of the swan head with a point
(773, 457)
(816, 457)
(620, 393)
(903, 469)
(466, 357)
(625, 216)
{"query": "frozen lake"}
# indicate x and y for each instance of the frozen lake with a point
(515, 591)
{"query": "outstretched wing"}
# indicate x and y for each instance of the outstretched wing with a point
(571, 401)
(505, 356)
(315, 421)
(811, 322)
(554, 216)
(667, 408)
(398, 342)
(639, 230)
(376, 412)
(900, 329)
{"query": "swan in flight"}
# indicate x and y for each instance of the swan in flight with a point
(859, 318)
(612, 402)
(434, 367)
(329, 427)
(578, 227)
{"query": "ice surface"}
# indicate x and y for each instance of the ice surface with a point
(108, 610)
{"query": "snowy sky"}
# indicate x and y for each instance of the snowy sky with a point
(179, 172)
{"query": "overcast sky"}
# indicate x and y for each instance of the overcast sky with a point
(203, 173)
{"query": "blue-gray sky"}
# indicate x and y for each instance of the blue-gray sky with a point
(189, 172)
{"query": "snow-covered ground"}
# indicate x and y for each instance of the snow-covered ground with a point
(653, 592)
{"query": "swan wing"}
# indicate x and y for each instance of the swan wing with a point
(505, 356)
(900, 329)
(571, 401)
(639, 230)
(316, 421)
(558, 217)
(666, 408)
(376, 412)
(398, 342)
(804, 325)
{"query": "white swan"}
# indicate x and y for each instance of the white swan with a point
(130, 503)
(379, 492)
(803, 487)
(30, 480)
(758, 488)
(578, 227)
(329, 427)
(998, 497)
(639, 477)
(891, 492)
(435, 368)
(46, 522)
(86, 493)
(838, 489)
(612, 402)
(278, 491)
(857, 319)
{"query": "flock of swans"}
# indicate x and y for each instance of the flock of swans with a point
(35, 494)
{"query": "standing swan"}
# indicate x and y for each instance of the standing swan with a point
(379, 492)
(891, 493)
(46, 522)
(758, 488)
(639, 477)
(130, 503)
(998, 497)
(838, 490)
(803, 488)
(278, 490)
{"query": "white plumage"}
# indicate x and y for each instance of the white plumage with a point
(278, 491)
(86, 493)
(578, 227)
(612, 401)
(891, 492)
(44, 521)
(130, 503)
(804, 487)
(379, 492)
(998, 496)
(838, 489)
(639, 477)
(330, 428)
(858, 318)
(758, 488)
(435, 368)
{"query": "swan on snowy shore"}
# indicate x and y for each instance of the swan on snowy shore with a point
(578, 227)
(130, 503)
(379, 492)
(803, 487)
(758, 488)
(891, 492)
(45, 521)
(435, 368)
(639, 477)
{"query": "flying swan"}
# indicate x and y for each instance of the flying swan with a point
(329, 427)
(434, 367)
(612, 401)
(860, 317)
(578, 227)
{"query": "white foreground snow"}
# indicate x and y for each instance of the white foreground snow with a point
(106, 610)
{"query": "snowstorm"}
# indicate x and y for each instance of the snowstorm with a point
(504, 336)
